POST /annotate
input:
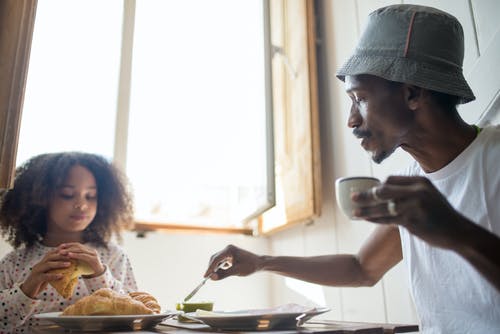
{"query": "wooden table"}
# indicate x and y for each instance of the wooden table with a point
(172, 326)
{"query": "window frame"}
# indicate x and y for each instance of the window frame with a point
(17, 21)
(122, 121)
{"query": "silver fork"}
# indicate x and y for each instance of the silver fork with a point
(224, 265)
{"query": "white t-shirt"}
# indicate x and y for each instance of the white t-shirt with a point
(449, 294)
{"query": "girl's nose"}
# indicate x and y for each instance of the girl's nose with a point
(80, 205)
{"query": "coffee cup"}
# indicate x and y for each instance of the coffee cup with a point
(345, 186)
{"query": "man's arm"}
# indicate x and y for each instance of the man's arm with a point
(380, 252)
(480, 248)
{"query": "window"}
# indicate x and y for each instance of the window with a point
(176, 104)
(70, 99)
(198, 104)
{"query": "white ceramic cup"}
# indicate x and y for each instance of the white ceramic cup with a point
(344, 186)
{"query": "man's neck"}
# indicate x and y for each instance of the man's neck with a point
(436, 146)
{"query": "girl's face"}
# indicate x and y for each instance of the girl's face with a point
(74, 204)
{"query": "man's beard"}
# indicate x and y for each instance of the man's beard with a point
(382, 155)
(376, 157)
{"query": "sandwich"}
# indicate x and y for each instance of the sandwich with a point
(67, 283)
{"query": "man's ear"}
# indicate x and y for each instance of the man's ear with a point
(413, 96)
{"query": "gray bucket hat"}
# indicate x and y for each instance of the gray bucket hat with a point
(418, 45)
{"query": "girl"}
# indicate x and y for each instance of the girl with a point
(62, 206)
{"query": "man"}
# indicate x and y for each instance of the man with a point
(443, 217)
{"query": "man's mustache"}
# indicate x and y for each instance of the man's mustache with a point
(358, 133)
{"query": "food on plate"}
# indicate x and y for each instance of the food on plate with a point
(187, 307)
(147, 299)
(108, 302)
(193, 306)
(67, 283)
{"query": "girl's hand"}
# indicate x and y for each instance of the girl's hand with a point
(78, 251)
(39, 277)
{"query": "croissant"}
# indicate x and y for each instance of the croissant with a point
(107, 302)
(148, 300)
(67, 283)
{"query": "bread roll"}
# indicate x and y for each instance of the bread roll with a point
(107, 302)
(148, 300)
(67, 283)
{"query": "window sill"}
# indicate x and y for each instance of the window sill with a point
(142, 227)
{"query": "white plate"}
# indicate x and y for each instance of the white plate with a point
(105, 322)
(244, 320)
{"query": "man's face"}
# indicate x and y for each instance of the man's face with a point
(379, 114)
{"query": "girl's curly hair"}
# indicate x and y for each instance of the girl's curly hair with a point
(24, 208)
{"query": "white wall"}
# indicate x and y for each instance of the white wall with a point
(341, 23)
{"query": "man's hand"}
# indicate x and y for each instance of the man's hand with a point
(425, 212)
(417, 205)
(243, 263)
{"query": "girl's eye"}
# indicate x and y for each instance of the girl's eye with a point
(91, 197)
(66, 196)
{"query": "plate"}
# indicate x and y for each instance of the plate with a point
(251, 320)
(105, 322)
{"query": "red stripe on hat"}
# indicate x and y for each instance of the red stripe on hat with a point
(408, 36)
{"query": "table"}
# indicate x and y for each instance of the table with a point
(172, 326)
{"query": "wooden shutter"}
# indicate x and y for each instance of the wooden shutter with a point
(17, 20)
(296, 127)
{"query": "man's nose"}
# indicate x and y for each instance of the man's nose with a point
(354, 120)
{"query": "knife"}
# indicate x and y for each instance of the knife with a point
(224, 265)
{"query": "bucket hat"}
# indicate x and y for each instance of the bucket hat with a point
(417, 45)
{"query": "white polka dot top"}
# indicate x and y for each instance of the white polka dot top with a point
(17, 309)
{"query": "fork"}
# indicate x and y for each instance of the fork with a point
(224, 265)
